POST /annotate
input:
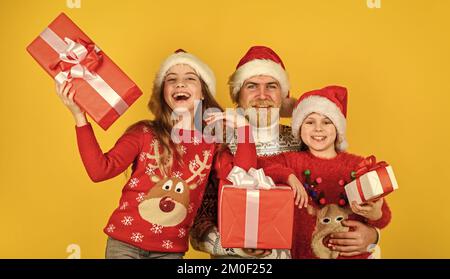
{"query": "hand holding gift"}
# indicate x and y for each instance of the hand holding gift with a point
(257, 253)
(66, 93)
(300, 195)
(371, 210)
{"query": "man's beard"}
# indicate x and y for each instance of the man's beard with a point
(262, 113)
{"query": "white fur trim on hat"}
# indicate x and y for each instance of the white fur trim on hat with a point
(259, 67)
(202, 70)
(323, 106)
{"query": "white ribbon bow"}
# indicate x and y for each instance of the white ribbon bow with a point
(74, 54)
(254, 178)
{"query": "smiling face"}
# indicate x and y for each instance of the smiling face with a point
(263, 94)
(260, 92)
(319, 134)
(182, 87)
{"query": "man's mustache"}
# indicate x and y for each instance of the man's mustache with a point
(262, 103)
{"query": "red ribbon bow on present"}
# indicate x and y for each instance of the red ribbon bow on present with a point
(79, 60)
(370, 164)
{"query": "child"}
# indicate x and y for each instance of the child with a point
(160, 200)
(319, 122)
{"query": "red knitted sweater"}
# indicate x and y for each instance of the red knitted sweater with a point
(155, 212)
(330, 172)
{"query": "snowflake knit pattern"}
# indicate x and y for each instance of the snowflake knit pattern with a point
(155, 212)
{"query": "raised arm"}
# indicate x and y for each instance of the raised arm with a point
(99, 166)
(102, 166)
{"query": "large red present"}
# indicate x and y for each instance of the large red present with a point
(103, 90)
(256, 218)
(373, 181)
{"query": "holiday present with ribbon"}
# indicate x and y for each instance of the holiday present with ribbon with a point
(253, 213)
(374, 180)
(102, 89)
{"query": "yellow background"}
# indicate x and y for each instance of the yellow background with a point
(394, 60)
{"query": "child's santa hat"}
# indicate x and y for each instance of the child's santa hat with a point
(330, 101)
(182, 57)
(259, 60)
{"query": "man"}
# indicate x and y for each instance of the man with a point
(261, 82)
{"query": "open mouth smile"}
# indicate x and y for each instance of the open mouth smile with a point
(181, 96)
(319, 138)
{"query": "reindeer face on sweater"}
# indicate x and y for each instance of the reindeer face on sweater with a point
(329, 220)
(330, 217)
(166, 203)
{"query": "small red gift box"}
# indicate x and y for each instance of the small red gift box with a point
(256, 218)
(373, 181)
(103, 90)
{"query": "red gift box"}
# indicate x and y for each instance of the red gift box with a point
(256, 218)
(103, 90)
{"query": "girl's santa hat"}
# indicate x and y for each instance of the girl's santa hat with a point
(258, 61)
(182, 57)
(330, 101)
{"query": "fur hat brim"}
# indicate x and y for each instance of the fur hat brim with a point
(201, 69)
(259, 67)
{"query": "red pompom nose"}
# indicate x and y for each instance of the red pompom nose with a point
(166, 204)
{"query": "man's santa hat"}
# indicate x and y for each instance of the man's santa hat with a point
(330, 101)
(259, 60)
(182, 57)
